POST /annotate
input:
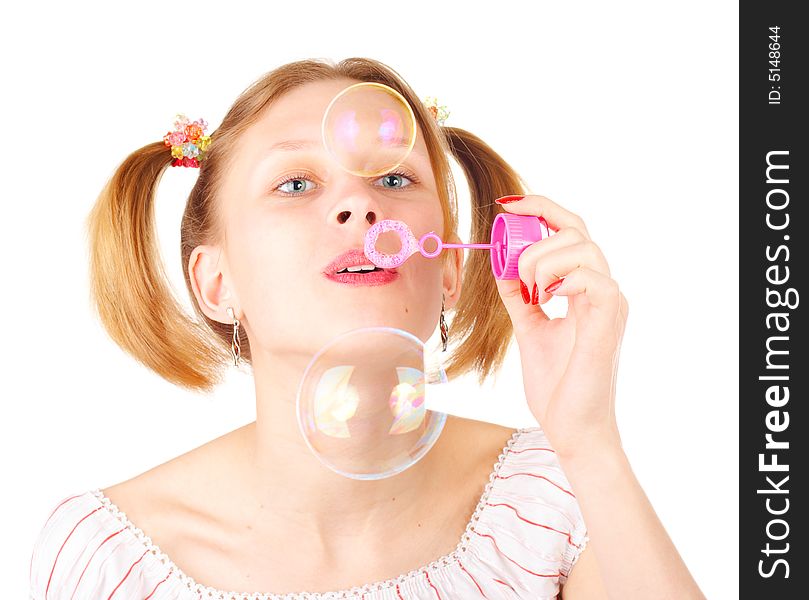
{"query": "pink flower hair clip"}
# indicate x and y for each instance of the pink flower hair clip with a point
(188, 141)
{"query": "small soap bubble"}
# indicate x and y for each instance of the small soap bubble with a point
(364, 403)
(369, 129)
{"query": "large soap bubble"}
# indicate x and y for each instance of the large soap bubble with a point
(363, 403)
(369, 129)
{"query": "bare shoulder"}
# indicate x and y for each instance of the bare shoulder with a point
(162, 498)
(481, 425)
(480, 441)
(477, 430)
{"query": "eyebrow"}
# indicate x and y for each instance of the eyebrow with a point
(292, 145)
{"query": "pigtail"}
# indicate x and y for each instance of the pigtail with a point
(128, 285)
(480, 319)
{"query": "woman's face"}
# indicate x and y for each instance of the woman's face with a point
(285, 212)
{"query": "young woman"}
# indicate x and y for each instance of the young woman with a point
(489, 512)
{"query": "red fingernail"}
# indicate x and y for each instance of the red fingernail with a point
(552, 287)
(535, 295)
(526, 298)
(507, 199)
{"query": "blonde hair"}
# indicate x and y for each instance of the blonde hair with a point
(133, 297)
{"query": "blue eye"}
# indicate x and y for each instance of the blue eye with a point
(298, 185)
(395, 180)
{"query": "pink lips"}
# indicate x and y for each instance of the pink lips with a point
(373, 278)
(353, 258)
(349, 258)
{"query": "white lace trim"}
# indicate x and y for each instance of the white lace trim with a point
(357, 591)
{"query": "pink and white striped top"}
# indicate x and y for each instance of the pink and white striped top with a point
(525, 535)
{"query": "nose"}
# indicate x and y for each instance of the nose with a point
(345, 215)
(357, 205)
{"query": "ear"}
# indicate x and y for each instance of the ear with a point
(453, 270)
(209, 283)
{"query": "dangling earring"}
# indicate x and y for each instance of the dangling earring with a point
(235, 345)
(443, 325)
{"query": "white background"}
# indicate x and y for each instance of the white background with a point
(625, 113)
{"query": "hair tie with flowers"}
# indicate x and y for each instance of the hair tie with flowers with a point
(188, 141)
(440, 113)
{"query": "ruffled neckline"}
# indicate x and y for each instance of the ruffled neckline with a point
(440, 563)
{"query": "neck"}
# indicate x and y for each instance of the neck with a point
(288, 483)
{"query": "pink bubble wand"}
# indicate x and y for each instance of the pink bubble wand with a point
(511, 234)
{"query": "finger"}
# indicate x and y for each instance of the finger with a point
(535, 261)
(540, 206)
(557, 263)
(601, 291)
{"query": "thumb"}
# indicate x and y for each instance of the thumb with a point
(522, 314)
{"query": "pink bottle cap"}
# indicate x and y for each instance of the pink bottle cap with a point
(511, 234)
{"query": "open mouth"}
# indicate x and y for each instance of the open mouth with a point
(363, 275)
(359, 269)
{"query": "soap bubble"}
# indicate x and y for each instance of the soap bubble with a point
(369, 129)
(364, 403)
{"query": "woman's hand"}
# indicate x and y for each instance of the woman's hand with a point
(569, 364)
(569, 367)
